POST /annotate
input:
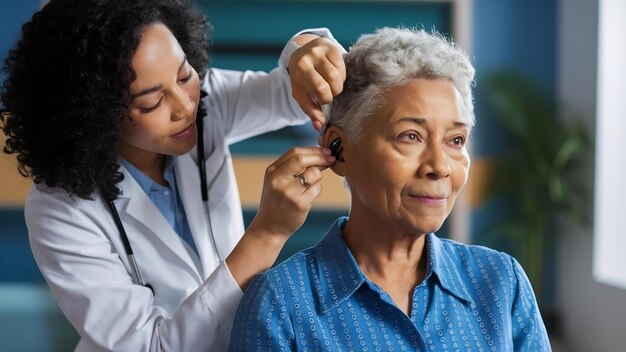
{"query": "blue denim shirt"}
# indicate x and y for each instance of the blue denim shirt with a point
(471, 299)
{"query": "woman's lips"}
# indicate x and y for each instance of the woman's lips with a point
(185, 133)
(430, 200)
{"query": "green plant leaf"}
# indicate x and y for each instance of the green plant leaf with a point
(532, 171)
(556, 188)
(570, 148)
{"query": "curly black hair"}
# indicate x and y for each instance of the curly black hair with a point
(67, 86)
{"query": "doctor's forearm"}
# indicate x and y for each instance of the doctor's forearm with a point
(255, 252)
(285, 203)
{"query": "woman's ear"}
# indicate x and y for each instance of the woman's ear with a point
(334, 139)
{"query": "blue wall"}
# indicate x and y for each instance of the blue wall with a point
(12, 15)
(16, 262)
(251, 34)
(517, 35)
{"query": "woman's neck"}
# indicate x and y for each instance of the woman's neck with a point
(150, 164)
(378, 247)
(393, 259)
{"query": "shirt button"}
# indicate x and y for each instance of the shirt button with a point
(167, 193)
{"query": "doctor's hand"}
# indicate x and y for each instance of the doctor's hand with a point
(291, 185)
(317, 73)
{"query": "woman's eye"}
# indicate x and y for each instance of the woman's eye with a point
(410, 136)
(152, 108)
(458, 141)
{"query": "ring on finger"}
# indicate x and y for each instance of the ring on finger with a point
(303, 180)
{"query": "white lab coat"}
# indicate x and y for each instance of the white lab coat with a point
(79, 251)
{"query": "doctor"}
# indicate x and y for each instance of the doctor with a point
(105, 103)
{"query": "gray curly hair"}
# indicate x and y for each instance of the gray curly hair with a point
(390, 57)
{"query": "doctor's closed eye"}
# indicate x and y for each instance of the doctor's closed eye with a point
(187, 75)
(152, 108)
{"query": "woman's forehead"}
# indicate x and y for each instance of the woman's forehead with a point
(422, 102)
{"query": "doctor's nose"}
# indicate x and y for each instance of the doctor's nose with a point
(182, 106)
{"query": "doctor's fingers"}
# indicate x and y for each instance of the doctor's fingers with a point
(333, 71)
(309, 177)
(295, 160)
(296, 176)
(301, 190)
(309, 106)
(318, 66)
(321, 78)
(310, 185)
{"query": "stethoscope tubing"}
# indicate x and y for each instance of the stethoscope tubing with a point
(127, 247)
(135, 272)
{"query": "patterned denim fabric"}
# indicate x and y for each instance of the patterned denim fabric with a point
(472, 299)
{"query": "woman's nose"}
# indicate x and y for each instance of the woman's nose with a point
(435, 163)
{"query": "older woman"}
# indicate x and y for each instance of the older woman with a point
(134, 218)
(381, 279)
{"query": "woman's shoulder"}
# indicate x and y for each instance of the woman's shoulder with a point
(288, 280)
(42, 195)
(472, 252)
(294, 270)
(52, 213)
(481, 266)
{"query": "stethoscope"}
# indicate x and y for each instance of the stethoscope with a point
(134, 268)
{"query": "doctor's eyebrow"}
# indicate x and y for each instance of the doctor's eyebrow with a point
(156, 88)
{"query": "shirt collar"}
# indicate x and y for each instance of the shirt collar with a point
(341, 275)
(445, 267)
(145, 182)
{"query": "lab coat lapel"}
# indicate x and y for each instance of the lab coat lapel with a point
(188, 183)
(226, 222)
(139, 207)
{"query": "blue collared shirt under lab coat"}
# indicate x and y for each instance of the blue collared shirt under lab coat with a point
(471, 299)
(166, 199)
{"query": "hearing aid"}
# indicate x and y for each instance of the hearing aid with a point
(336, 149)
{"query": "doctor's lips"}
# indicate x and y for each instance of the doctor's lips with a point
(186, 132)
